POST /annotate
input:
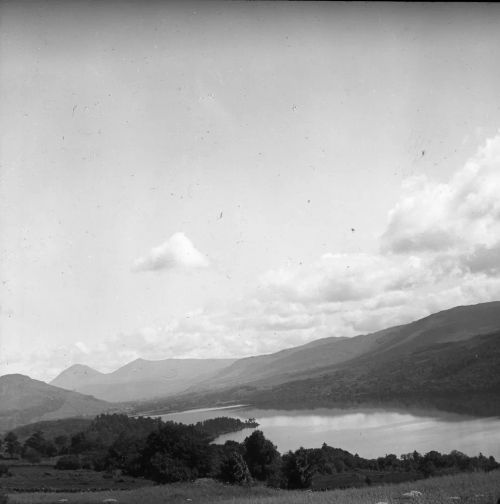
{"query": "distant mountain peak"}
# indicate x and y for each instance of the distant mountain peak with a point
(75, 374)
(140, 378)
(82, 368)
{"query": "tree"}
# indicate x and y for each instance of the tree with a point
(37, 443)
(125, 454)
(68, 462)
(165, 469)
(32, 455)
(175, 452)
(80, 443)
(339, 465)
(298, 470)
(13, 447)
(261, 456)
(61, 443)
(235, 470)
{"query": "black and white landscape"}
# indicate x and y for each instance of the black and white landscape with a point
(249, 243)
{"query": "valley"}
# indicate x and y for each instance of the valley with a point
(431, 384)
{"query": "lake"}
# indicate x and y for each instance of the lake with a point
(369, 432)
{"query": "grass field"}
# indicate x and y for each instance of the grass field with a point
(46, 478)
(472, 488)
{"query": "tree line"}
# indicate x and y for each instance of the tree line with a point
(167, 452)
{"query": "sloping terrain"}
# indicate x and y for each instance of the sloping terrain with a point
(464, 368)
(24, 400)
(460, 376)
(452, 325)
(140, 379)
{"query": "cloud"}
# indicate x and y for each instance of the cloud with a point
(461, 214)
(80, 345)
(484, 259)
(441, 248)
(177, 252)
(341, 278)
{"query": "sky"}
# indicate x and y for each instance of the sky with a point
(228, 179)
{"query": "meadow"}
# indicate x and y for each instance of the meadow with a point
(27, 477)
(470, 488)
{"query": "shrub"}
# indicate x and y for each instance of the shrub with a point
(31, 455)
(4, 470)
(165, 469)
(68, 462)
(235, 470)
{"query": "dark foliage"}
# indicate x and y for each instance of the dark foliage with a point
(262, 457)
(234, 470)
(32, 456)
(175, 452)
(215, 427)
(37, 444)
(68, 462)
(53, 428)
(12, 445)
(81, 443)
(125, 453)
(328, 467)
(298, 469)
(170, 452)
(106, 429)
(61, 443)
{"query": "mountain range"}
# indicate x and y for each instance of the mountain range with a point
(453, 355)
(139, 379)
(324, 355)
(449, 357)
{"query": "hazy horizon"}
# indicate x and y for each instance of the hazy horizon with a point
(228, 179)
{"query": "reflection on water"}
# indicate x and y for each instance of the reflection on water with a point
(370, 432)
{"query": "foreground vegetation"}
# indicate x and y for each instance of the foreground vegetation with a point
(472, 488)
(116, 451)
(44, 477)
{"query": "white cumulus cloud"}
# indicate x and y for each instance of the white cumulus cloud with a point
(441, 248)
(459, 215)
(177, 252)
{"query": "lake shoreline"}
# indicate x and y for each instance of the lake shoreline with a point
(367, 430)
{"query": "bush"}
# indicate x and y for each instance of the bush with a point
(33, 456)
(86, 463)
(235, 470)
(68, 462)
(170, 470)
(98, 460)
(4, 470)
